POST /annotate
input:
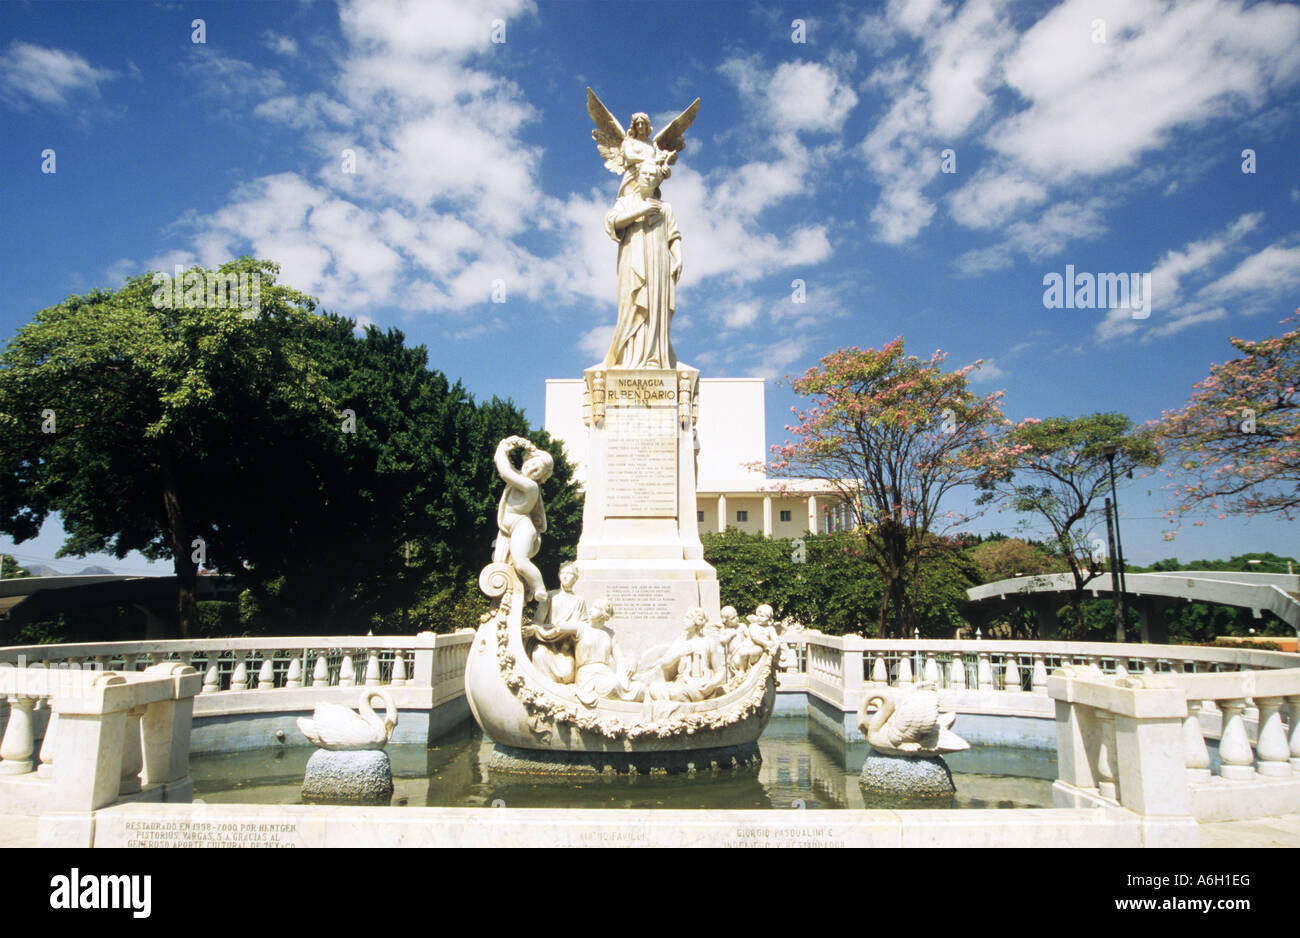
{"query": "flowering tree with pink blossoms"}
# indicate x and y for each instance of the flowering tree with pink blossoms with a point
(1237, 441)
(891, 433)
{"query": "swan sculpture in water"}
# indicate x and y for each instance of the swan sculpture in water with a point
(336, 727)
(908, 722)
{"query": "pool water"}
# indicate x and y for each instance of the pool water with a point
(804, 765)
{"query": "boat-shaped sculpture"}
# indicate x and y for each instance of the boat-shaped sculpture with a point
(534, 719)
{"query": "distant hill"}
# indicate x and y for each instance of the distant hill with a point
(40, 569)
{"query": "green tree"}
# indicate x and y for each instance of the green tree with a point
(1057, 471)
(110, 404)
(337, 477)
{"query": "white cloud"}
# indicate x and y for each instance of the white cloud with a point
(741, 315)
(987, 372)
(51, 77)
(795, 96)
(991, 198)
(280, 44)
(1096, 107)
(1272, 271)
(595, 342)
(1039, 239)
(1248, 287)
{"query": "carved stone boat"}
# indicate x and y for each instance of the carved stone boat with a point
(539, 725)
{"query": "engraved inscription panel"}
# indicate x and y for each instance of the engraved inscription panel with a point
(182, 833)
(641, 448)
(641, 601)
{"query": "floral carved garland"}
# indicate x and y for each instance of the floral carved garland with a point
(546, 710)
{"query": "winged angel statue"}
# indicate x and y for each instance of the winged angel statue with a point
(645, 229)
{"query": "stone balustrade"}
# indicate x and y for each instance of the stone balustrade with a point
(109, 737)
(1140, 741)
(1234, 712)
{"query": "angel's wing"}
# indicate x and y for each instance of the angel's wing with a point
(673, 137)
(609, 133)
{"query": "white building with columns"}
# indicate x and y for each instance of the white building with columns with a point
(732, 487)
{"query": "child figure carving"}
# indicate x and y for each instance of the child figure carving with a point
(521, 516)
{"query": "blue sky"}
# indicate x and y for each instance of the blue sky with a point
(1104, 135)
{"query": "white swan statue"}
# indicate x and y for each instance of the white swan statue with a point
(336, 727)
(907, 722)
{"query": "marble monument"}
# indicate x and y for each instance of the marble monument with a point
(630, 665)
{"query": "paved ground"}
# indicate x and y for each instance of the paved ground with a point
(1284, 831)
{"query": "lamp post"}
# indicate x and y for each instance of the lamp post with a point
(1109, 452)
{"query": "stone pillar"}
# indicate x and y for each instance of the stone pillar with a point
(165, 734)
(1272, 750)
(722, 512)
(812, 515)
(1196, 756)
(1049, 626)
(17, 745)
(767, 515)
(132, 754)
(1107, 786)
(1293, 705)
(1076, 735)
(1234, 744)
(1151, 618)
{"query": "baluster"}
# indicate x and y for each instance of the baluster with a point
(320, 675)
(398, 678)
(985, 672)
(880, 671)
(1039, 680)
(1121, 667)
(46, 768)
(904, 670)
(1106, 786)
(128, 663)
(212, 674)
(1147, 667)
(132, 754)
(239, 677)
(151, 659)
(1177, 666)
(1011, 675)
(101, 662)
(931, 669)
(294, 676)
(1272, 750)
(372, 669)
(16, 747)
(957, 671)
(347, 675)
(1234, 744)
(1196, 755)
(266, 673)
(1293, 707)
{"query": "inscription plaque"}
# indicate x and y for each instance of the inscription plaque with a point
(644, 601)
(641, 459)
(180, 833)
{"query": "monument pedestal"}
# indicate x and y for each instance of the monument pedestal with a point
(640, 545)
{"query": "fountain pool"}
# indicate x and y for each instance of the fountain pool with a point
(803, 766)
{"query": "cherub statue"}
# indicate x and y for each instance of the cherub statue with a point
(521, 516)
(624, 150)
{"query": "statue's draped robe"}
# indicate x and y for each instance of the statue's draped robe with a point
(647, 295)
